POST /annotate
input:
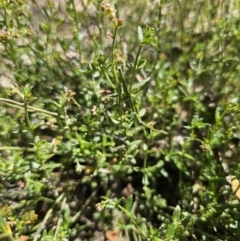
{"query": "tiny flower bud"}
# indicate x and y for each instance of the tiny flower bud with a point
(109, 35)
(119, 22)
(3, 35)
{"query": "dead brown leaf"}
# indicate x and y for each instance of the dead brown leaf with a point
(113, 235)
(23, 238)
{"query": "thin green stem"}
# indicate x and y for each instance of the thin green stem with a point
(27, 120)
(30, 108)
(130, 215)
(16, 148)
(83, 207)
(47, 216)
(66, 121)
(108, 79)
(114, 42)
(126, 91)
(59, 220)
(41, 10)
(135, 68)
(145, 161)
(182, 23)
(115, 75)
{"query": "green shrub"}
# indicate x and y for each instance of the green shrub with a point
(121, 116)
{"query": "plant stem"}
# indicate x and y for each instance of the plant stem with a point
(47, 216)
(114, 42)
(30, 108)
(15, 148)
(134, 68)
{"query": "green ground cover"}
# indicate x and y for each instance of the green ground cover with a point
(119, 120)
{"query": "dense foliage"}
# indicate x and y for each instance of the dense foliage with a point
(119, 120)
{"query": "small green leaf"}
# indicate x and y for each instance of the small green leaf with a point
(217, 115)
(140, 34)
(35, 165)
(148, 36)
(142, 112)
(134, 145)
(193, 65)
(113, 119)
(145, 181)
(141, 63)
(140, 84)
(171, 231)
(129, 203)
(109, 205)
(176, 214)
(50, 166)
(188, 156)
